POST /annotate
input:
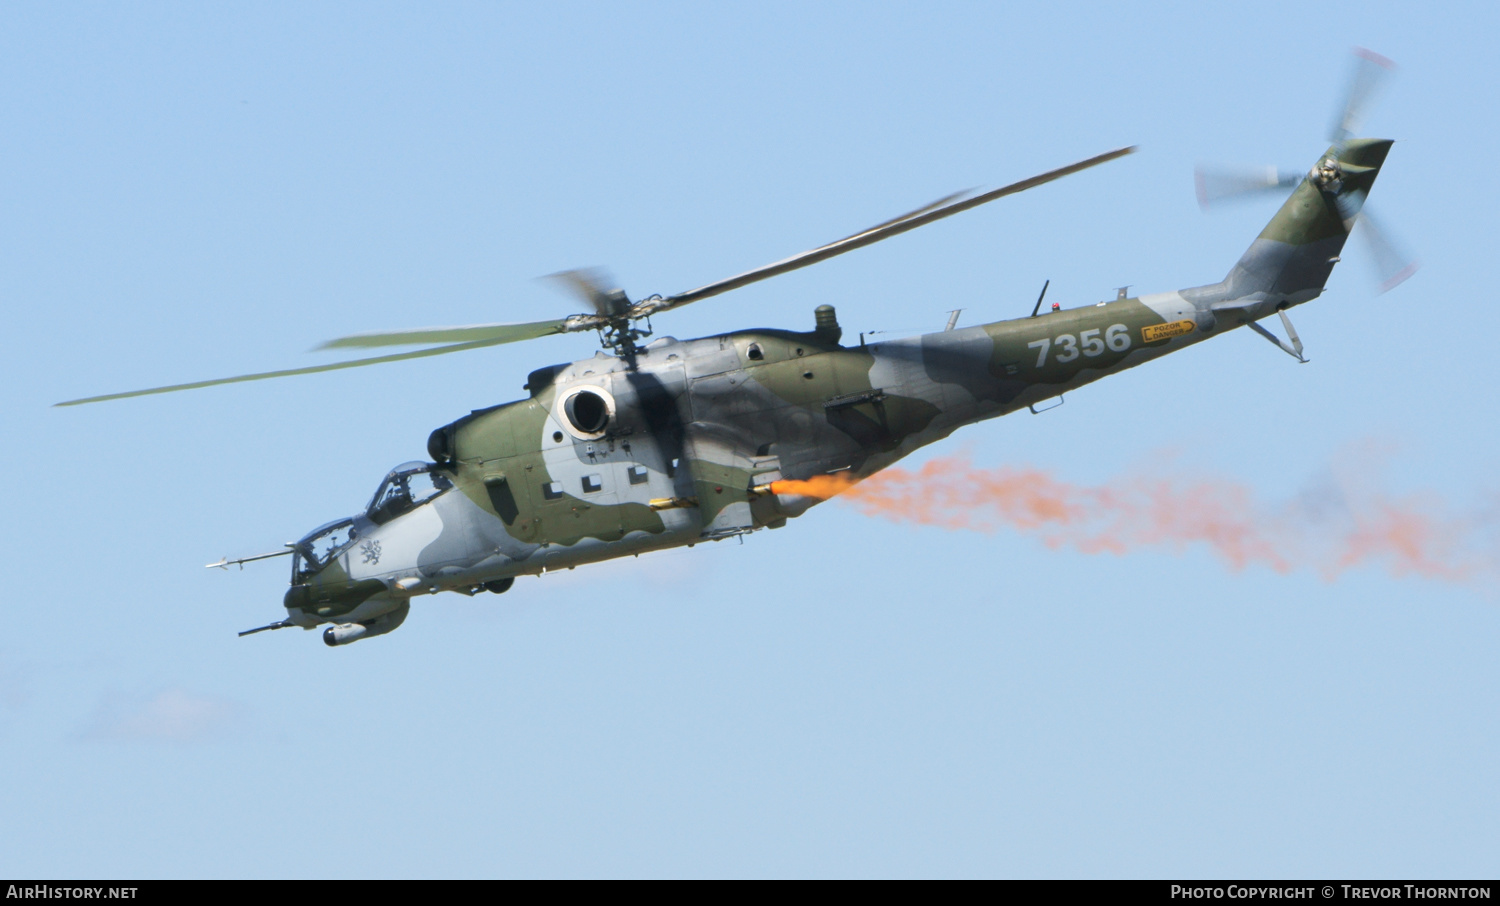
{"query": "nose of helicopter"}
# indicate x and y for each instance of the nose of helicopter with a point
(326, 593)
(320, 587)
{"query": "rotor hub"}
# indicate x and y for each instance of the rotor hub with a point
(1328, 175)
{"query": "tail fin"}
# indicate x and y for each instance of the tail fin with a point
(1289, 263)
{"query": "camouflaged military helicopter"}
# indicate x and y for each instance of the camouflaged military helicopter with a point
(656, 445)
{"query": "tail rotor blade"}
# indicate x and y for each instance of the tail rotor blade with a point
(1216, 185)
(1370, 72)
(1392, 264)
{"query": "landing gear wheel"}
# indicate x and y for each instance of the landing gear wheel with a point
(499, 586)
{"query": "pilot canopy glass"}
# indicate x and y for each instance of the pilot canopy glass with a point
(407, 487)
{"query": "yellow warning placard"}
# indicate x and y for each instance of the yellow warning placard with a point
(1163, 331)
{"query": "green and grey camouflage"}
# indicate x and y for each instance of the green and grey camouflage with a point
(682, 442)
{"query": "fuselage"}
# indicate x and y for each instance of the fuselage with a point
(679, 442)
(675, 445)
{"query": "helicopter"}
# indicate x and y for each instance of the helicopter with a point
(661, 443)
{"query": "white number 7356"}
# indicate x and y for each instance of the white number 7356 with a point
(1116, 337)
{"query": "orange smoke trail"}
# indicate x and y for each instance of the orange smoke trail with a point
(819, 486)
(1405, 536)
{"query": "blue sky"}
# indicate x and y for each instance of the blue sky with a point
(197, 191)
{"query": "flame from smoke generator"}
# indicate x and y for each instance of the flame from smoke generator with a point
(1331, 529)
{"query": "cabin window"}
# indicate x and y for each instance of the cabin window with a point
(639, 475)
(552, 490)
(592, 483)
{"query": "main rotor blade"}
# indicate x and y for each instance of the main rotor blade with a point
(1370, 71)
(931, 206)
(594, 286)
(356, 363)
(922, 216)
(498, 333)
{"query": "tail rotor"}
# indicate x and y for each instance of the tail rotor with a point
(1370, 72)
(1217, 186)
(1391, 263)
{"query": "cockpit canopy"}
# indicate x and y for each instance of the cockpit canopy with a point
(407, 487)
(321, 545)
